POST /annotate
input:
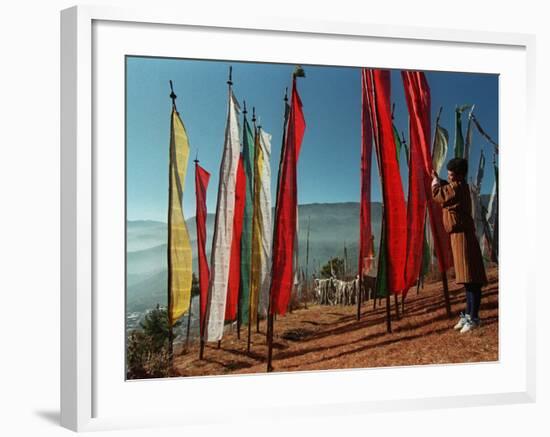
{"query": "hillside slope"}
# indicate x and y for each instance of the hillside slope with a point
(323, 337)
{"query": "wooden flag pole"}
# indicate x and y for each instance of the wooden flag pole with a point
(396, 301)
(270, 316)
(249, 333)
(201, 322)
(269, 338)
(388, 294)
(359, 294)
(443, 273)
(382, 231)
(388, 312)
(255, 152)
(188, 326)
(170, 321)
(201, 351)
(239, 307)
(250, 303)
(305, 293)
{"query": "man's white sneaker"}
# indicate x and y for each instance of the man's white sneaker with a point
(461, 321)
(469, 325)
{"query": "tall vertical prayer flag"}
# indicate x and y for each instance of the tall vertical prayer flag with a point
(469, 134)
(480, 169)
(285, 213)
(395, 213)
(459, 139)
(202, 177)
(223, 225)
(296, 267)
(179, 245)
(495, 221)
(419, 104)
(475, 194)
(398, 143)
(365, 225)
(415, 87)
(246, 239)
(261, 227)
(235, 283)
(439, 152)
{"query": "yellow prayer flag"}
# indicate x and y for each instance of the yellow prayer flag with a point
(256, 258)
(179, 245)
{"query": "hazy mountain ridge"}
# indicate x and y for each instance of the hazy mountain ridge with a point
(331, 226)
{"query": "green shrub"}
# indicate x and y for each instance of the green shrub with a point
(147, 353)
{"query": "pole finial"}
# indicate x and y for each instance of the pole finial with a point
(172, 94)
(298, 72)
(286, 94)
(254, 114)
(230, 80)
(244, 107)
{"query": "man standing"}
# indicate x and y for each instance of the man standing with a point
(454, 197)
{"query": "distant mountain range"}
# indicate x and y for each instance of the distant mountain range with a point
(332, 226)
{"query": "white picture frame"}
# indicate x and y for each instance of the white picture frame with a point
(91, 394)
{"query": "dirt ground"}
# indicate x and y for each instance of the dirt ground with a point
(330, 337)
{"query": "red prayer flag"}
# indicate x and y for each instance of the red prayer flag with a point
(395, 213)
(285, 212)
(417, 93)
(201, 184)
(365, 227)
(235, 261)
(419, 112)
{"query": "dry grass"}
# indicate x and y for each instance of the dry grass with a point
(324, 337)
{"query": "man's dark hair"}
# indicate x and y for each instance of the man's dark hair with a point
(458, 166)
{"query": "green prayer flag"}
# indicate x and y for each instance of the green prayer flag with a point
(459, 138)
(246, 236)
(398, 144)
(440, 147)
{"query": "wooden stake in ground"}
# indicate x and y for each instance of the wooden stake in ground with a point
(396, 301)
(269, 340)
(201, 352)
(388, 312)
(306, 290)
(188, 326)
(359, 297)
(446, 294)
(249, 334)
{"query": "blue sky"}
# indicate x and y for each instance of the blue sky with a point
(328, 167)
